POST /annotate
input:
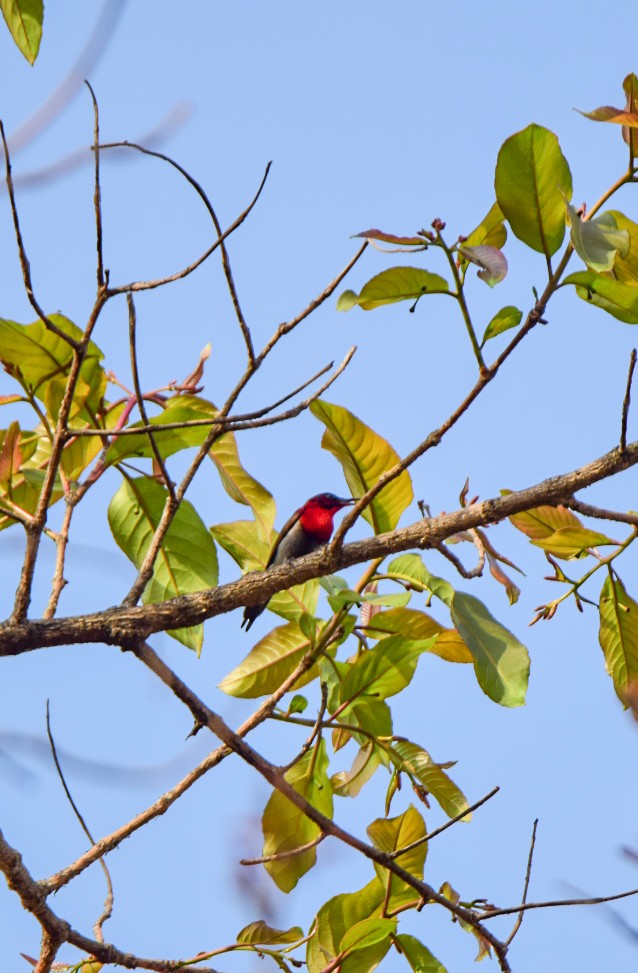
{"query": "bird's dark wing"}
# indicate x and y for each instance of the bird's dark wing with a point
(290, 523)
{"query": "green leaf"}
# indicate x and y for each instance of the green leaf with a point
(491, 231)
(244, 541)
(179, 408)
(298, 704)
(286, 827)
(508, 317)
(24, 20)
(261, 934)
(392, 834)
(571, 542)
(334, 919)
(43, 360)
(187, 561)
(240, 485)
(393, 285)
(532, 182)
(269, 662)
(413, 624)
(618, 299)
(501, 662)
(368, 933)
(597, 241)
(418, 956)
(348, 783)
(365, 457)
(626, 267)
(418, 762)
(385, 670)
(618, 635)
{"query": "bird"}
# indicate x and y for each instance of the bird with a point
(309, 528)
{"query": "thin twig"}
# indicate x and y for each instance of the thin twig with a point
(474, 572)
(22, 254)
(528, 873)
(159, 459)
(316, 729)
(245, 330)
(626, 402)
(448, 824)
(142, 285)
(280, 855)
(554, 903)
(206, 717)
(588, 510)
(97, 195)
(108, 902)
(59, 581)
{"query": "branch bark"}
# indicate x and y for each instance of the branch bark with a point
(126, 625)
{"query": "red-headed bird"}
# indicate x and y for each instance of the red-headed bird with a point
(308, 529)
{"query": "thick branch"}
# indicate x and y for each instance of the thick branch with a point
(123, 625)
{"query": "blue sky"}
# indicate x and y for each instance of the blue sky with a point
(373, 115)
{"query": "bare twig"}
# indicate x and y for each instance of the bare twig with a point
(59, 581)
(588, 510)
(555, 903)
(448, 824)
(627, 402)
(477, 570)
(142, 285)
(24, 262)
(97, 195)
(528, 874)
(225, 259)
(206, 717)
(316, 729)
(108, 903)
(280, 855)
(72, 82)
(159, 459)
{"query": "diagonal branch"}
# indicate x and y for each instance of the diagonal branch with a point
(123, 624)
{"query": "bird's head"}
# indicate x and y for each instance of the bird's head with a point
(317, 513)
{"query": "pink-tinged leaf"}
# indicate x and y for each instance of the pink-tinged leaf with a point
(606, 113)
(10, 454)
(491, 259)
(403, 241)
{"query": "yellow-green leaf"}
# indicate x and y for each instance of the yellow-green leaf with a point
(333, 921)
(543, 521)
(393, 285)
(418, 956)
(414, 624)
(187, 561)
(501, 662)
(269, 662)
(365, 456)
(617, 298)
(24, 20)
(626, 267)
(348, 783)
(571, 542)
(508, 317)
(385, 670)
(597, 241)
(392, 834)
(417, 762)
(618, 635)
(532, 182)
(490, 231)
(260, 933)
(286, 827)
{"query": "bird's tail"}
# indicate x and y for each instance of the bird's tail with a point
(250, 614)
